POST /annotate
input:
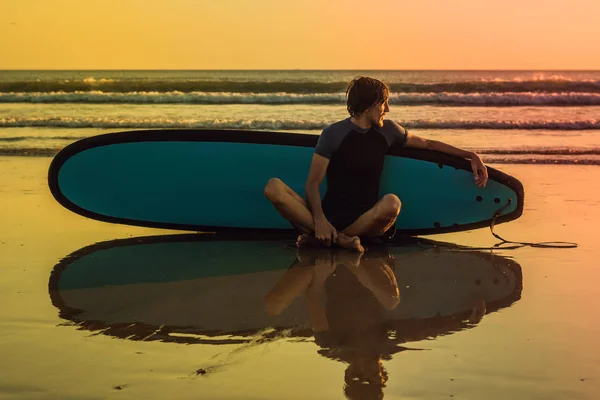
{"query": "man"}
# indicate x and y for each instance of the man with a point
(351, 152)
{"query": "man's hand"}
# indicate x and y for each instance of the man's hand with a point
(325, 232)
(479, 170)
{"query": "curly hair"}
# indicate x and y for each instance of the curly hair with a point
(363, 93)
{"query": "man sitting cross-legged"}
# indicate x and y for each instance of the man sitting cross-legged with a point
(352, 152)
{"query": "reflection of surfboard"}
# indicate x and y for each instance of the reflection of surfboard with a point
(160, 288)
(214, 180)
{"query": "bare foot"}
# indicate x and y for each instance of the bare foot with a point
(306, 240)
(350, 242)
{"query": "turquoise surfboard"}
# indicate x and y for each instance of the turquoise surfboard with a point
(213, 180)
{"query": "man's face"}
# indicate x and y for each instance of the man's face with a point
(377, 113)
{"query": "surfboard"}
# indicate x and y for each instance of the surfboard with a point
(214, 289)
(213, 180)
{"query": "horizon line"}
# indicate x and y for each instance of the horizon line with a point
(308, 70)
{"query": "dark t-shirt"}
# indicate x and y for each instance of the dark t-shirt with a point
(356, 162)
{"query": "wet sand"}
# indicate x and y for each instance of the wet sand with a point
(135, 333)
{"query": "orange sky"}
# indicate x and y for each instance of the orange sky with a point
(299, 34)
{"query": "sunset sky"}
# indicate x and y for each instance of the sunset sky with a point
(299, 34)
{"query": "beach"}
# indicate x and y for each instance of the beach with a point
(540, 344)
(148, 151)
(94, 310)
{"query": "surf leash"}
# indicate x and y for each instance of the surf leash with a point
(512, 245)
(517, 245)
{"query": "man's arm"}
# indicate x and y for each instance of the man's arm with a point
(324, 231)
(477, 165)
(318, 168)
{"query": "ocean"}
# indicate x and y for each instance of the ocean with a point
(519, 117)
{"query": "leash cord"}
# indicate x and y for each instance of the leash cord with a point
(517, 245)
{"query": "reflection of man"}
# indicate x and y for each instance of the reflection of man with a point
(347, 295)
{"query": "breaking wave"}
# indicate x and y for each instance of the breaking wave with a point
(231, 86)
(277, 124)
(176, 97)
